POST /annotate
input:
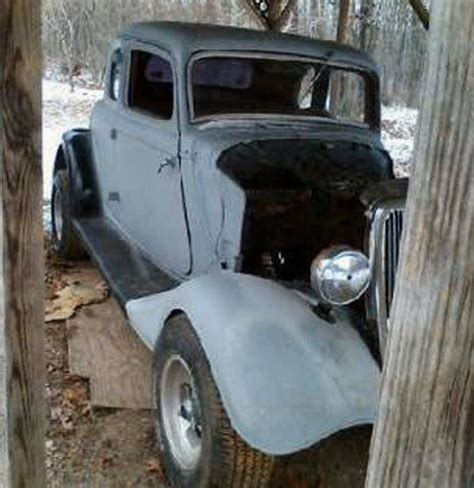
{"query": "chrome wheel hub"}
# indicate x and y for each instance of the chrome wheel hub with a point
(181, 413)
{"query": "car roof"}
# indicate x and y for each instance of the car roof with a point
(184, 39)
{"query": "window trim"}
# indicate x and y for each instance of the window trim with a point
(370, 96)
(109, 89)
(157, 51)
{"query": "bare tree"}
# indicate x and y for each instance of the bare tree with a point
(76, 34)
(71, 23)
(425, 431)
(367, 16)
(271, 14)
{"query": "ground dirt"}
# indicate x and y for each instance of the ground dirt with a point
(96, 447)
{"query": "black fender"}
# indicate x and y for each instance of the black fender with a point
(75, 154)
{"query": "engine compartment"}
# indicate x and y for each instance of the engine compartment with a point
(301, 197)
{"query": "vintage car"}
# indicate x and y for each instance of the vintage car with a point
(234, 192)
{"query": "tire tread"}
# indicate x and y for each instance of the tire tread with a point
(239, 466)
(69, 247)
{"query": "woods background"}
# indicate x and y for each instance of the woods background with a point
(76, 33)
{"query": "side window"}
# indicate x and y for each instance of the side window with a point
(115, 74)
(151, 84)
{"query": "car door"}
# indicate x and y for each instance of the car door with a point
(150, 200)
(103, 118)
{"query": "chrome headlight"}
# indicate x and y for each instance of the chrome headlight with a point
(340, 275)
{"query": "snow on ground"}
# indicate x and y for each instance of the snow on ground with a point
(398, 135)
(63, 110)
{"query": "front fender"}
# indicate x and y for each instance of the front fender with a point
(78, 159)
(287, 377)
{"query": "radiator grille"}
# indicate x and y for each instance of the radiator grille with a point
(393, 227)
(385, 242)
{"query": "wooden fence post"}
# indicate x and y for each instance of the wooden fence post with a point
(21, 248)
(424, 435)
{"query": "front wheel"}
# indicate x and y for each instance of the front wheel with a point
(199, 448)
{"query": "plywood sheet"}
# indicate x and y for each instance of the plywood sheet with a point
(104, 348)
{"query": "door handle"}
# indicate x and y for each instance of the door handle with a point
(113, 134)
(171, 162)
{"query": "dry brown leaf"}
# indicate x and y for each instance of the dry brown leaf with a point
(71, 297)
(86, 409)
(75, 395)
(153, 466)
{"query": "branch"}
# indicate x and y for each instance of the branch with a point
(285, 14)
(249, 5)
(273, 18)
(422, 12)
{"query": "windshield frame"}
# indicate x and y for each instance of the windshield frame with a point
(371, 94)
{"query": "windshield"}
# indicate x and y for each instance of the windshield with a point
(230, 86)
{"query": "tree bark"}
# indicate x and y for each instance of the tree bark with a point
(343, 20)
(249, 5)
(21, 247)
(279, 15)
(424, 435)
(367, 24)
(275, 17)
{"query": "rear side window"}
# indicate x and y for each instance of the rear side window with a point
(151, 85)
(115, 74)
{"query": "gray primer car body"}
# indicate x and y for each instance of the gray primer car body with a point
(213, 204)
(288, 376)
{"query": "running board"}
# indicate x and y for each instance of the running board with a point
(128, 272)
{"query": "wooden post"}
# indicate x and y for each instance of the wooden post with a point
(424, 435)
(21, 248)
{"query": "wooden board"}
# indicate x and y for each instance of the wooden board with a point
(104, 348)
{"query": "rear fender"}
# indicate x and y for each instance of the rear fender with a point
(287, 377)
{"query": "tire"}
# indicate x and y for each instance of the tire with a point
(65, 241)
(218, 456)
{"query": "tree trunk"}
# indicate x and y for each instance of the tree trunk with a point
(275, 17)
(343, 20)
(367, 24)
(279, 13)
(260, 16)
(21, 248)
(424, 435)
